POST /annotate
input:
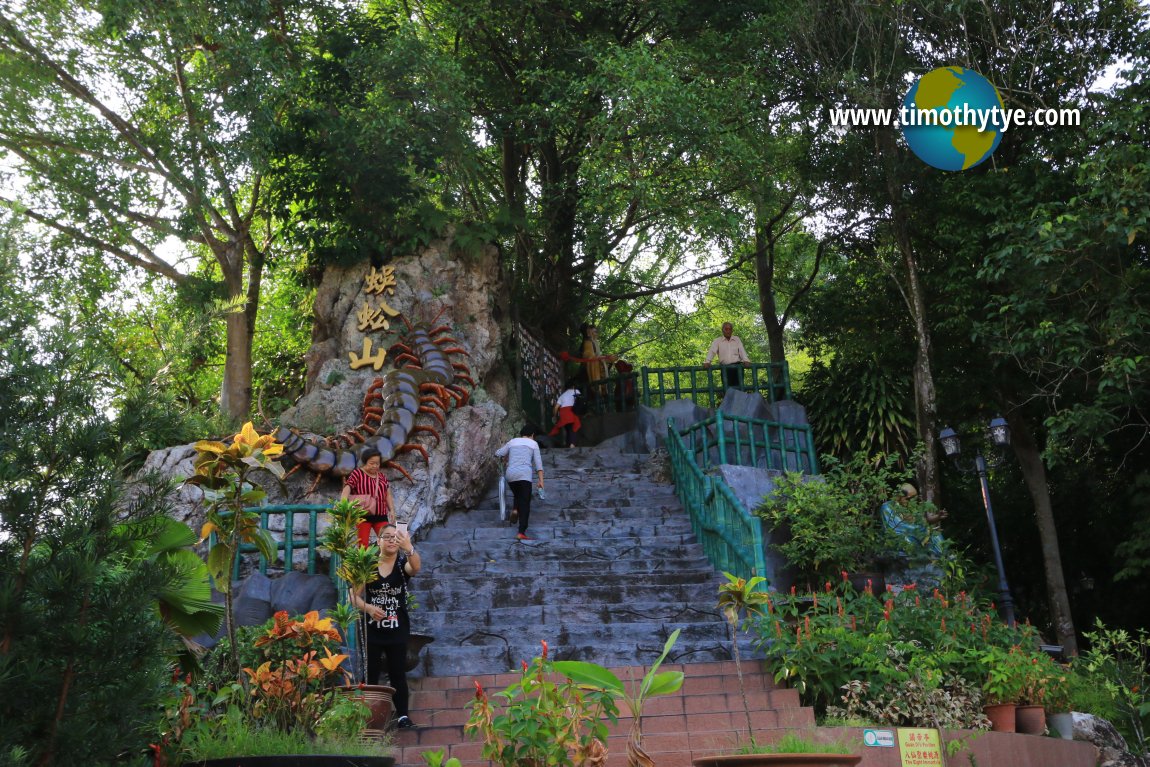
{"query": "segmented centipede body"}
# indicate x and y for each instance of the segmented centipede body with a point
(429, 383)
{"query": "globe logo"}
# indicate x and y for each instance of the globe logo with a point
(952, 118)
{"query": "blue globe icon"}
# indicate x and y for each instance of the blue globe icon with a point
(959, 101)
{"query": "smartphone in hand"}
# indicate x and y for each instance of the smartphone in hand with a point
(401, 527)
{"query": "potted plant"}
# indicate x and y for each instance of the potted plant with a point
(1005, 671)
(597, 677)
(1041, 676)
(542, 719)
(357, 566)
(1059, 715)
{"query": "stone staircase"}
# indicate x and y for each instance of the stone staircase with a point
(611, 570)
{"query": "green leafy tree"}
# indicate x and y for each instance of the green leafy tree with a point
(92, 576)
(142, 125)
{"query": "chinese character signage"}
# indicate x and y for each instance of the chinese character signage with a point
(919, 747)
(374, 316)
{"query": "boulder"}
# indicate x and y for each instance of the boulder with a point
(651, 428)
(1112, 748)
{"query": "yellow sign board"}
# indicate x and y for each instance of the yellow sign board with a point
(919, 747)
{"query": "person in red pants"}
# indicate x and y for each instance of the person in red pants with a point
(368, 486)
(566, 419)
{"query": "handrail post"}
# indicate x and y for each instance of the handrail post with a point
(721, 437)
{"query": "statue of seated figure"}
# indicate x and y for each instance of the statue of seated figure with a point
(923, 536)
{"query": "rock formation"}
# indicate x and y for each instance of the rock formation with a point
(440, 285)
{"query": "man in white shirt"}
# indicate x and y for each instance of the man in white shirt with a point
(729, 349)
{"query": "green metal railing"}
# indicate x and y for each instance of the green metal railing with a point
(705, 386)
(732, 439)
(291, 542)
(731, 536)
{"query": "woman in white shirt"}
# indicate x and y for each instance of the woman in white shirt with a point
(566, 419)
(523, 460)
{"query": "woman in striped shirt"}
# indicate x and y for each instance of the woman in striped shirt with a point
(370, 488)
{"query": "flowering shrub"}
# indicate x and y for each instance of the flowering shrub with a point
(541, 721)
(292, 685)
(920, 658)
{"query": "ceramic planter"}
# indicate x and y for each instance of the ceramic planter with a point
(1063, 723)
(1001, 716)
(378, 699)
(1030, 720)
(777, 760)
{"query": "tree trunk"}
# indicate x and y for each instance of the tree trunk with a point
(768, 307)
(1034, 472)
(925, 402)
(236, 391)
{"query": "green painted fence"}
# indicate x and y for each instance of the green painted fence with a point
(731, 536)
(291, 543)
(732, 439)
(705, 386)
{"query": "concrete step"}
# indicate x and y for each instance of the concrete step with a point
(595, 595)
(588, 562)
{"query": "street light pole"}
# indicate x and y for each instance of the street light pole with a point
(1003, 588)
(951, 445)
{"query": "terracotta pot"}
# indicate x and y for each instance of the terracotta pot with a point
(1031, 720)
(777, 760)
(378, 699)
(1001, 716)
(1063, 723)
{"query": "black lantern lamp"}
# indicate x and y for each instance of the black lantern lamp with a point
(999, 434)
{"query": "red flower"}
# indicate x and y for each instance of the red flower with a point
(844, 575)
(828, 587)
(524, 666)
(544, 649)
(479, 691)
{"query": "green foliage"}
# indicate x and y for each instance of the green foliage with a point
(223, 474)
(1120, 661)
(863, 407)
(88, 568)
(436, 759)
(292, 687)
(289, 703)
(879, 655)
(542, 721)
(834, 521)
(596, 677)
(357, 565)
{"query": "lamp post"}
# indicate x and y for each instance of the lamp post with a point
(999, 434)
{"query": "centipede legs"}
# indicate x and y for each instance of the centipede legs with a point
(428, 381)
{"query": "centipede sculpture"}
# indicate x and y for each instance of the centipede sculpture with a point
(425, 381)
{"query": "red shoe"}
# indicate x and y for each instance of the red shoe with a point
(523, 537)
